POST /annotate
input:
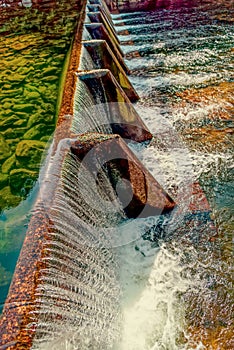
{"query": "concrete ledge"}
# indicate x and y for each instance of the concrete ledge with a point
(103, 57)
(145, 195)
(129, 5)
(122, 117)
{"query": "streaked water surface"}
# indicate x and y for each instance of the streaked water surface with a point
(176, 276)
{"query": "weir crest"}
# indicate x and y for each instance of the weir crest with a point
(65, 288)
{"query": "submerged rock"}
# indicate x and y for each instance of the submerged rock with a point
(9, 92)
(21, 181)
(5, 276)
(20, 122)
(24, 107)
(38, 131)
(40, 117)
(13, 133)
(5, 150)
(28, 153)
(7, 199)
(13, 143)
(6, 122)
(49, 79)
(31, 95)
(7, 105)
(50, 71)
(16, 78)
(8, 165)
(3, 180)
(7, 112)
(33, 47)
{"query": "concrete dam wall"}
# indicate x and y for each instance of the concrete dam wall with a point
(65, 287)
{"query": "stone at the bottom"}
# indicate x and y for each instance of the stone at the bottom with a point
(21, 181)
(5, 151)
(7, 199)
(3, 180)
(28, 153)
(138, 191)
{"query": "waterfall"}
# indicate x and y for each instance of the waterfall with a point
(78, 294)
(91, 112)
(86, 35)
(86, 61)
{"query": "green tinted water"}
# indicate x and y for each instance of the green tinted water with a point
(34, 50)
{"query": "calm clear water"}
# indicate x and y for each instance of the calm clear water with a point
(176, 279)
(13, 226)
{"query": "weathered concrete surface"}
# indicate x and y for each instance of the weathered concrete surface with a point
(100, 17)
(70, 82)
(102, 3)
(15, 331)
(103, 57)
(130, 179)
(98, 31)
(100, 8)
(123, 118)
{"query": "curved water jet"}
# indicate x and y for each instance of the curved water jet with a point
(98, 31)
(100, 17)
(106, 99)
(66, 274)
(102, 57)
(146, 196)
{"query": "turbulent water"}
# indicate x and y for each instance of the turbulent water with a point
(176, 272)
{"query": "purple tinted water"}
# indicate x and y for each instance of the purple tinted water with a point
(181, 61)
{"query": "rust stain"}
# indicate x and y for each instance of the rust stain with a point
(70, 83)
